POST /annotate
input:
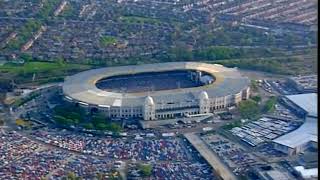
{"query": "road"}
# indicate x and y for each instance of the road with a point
(210, 157)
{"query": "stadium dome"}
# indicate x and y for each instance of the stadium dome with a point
(203, 95)
(149, 100)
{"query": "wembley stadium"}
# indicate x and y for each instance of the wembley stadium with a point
(157, 91)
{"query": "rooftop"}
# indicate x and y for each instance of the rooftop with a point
(306, 82)
(304, 134)
(82, 86)
(307, 173)
(307, 102)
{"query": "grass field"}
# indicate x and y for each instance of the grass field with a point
(137, 19)
(38, 67)
(290, 65)
(45, 72)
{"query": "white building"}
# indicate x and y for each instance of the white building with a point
(306, 135)
(228, 88)
(307, 173)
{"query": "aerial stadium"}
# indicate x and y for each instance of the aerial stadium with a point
(157, 91)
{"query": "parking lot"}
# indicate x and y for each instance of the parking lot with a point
(283, 88)
(86, 167)
(85, 156)
(264, 129)
(232, 154)
(267, 150)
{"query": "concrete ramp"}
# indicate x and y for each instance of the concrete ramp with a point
(222, 170)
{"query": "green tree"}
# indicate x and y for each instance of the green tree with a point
(63, 121)
(98, 120)
(88, 126)
(71, 176)
(145, 170)
(256, 98)
(61, 62)
(26, 57)
(254, 85)
(115, 127)
(269, 105)
(249, 109)
(101, 126)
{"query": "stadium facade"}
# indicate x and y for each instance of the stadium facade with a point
(226, 88)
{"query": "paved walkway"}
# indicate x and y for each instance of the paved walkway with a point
(210, 157)
(156, 123)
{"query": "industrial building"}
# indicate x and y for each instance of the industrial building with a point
(305, 136)
(304, 84)
(157, 91)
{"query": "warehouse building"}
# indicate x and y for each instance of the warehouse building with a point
(305, 136)
(304, 84)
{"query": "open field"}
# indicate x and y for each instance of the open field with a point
(41, 72)
(286, 65)
(39, 67)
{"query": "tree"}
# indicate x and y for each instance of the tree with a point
(71, 176)
(145, 170)
(61, 62)
(63, 121)
(114, 127)
(88, 126)
(101, 126)
(249, 109)
(269, 105)
(256, 98)
(180, 53)
(254, 85)
(68, 115)
(96, 119)
(26, 57)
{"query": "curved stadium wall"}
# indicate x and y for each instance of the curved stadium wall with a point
(228, 89)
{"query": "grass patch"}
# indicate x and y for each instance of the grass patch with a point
(45, 72)
(279, 65)
(38, 67)
(139, 20)
(108, 40)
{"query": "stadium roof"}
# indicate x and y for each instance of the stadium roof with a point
(304, 134)
(307, 173)
(308, 131)
(307, 102)
(82, 86)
